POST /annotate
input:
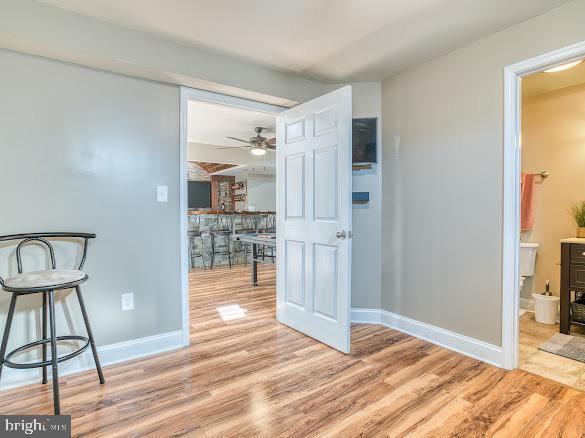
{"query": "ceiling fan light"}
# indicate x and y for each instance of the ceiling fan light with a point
(258, 151)
(563, 67)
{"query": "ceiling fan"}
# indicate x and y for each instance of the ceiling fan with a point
(258, 144)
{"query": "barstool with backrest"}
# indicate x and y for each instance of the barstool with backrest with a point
(267, 226)
(246, 225)
(196, 236)
(221, 238)
(47, 282)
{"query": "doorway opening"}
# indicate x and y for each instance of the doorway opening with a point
(540, 148)
(551, 258)
(312, 214)
(229, 184)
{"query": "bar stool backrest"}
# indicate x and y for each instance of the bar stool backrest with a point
(271, 221)
(194, 222)
(248, 222)
(224, 222)
(42, 238)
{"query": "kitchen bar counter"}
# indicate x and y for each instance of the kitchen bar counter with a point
(207, 221)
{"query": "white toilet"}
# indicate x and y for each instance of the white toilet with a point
(545, 307)
(527, 260)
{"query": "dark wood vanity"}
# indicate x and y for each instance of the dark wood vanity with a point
(572, 278)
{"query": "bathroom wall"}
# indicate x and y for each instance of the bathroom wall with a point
(553, 139)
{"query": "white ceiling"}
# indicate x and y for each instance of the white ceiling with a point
(330, 40)
(209, 123)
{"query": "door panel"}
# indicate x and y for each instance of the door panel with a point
(325, 187)
(313, 234)
(295, 186)
(295, 272)
(325, 280)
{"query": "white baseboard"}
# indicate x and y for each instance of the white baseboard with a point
(471, 347)
(108, 354)
(366, 316)
(527, 304)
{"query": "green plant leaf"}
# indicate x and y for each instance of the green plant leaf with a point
(577, 211)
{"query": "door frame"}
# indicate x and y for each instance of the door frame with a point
(511, 206)
(187, 94)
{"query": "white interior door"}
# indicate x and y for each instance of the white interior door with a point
(314, 218)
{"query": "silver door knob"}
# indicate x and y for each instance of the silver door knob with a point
(341, 235)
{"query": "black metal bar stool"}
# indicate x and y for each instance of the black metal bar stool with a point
(267, 225)
(47, 282)
(195, 235)
(221, 238)
(246, 225)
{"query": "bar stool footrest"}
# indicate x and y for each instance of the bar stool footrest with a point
(40, 364)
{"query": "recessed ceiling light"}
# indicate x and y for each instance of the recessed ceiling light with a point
(258, 151)
(563, 67)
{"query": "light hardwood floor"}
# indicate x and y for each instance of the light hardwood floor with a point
(247, 375)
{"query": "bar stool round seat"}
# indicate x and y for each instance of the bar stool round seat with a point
(40, 281)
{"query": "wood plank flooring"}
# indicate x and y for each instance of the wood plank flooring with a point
(247, 375)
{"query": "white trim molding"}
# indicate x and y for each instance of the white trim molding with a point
(471, 347)
(511, 203)
(108, 354)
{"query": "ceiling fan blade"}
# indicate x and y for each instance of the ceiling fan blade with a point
(271, 141)
(235, 147)
(270, 147)
(238, 139)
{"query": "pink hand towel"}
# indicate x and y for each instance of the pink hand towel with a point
(527, 201)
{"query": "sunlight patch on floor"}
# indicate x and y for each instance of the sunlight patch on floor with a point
(231, 312)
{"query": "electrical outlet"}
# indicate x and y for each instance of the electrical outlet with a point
(127, 302)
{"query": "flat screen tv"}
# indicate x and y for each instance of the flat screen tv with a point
(199, 194)
(364, 139)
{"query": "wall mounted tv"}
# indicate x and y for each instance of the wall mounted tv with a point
(364, 139)
(199, 194)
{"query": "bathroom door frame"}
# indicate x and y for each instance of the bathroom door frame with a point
(192, 94)
(511, 207)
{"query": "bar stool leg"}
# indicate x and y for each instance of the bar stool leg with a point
(212, 236)
(229, 251)
(202, 252)
(55, 368)
(44, 331)
(7, 331)
(90, 336)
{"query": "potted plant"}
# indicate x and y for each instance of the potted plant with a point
(578, 213)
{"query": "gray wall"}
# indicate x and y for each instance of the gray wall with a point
(83, 150)
(442, 185)
(366, 220)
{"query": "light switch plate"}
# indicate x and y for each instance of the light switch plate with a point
(162, 193)
(127, 302)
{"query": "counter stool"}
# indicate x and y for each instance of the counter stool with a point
(47, 282)
(196, 235)
(247, 225)
(269, 228)
(221, 238)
